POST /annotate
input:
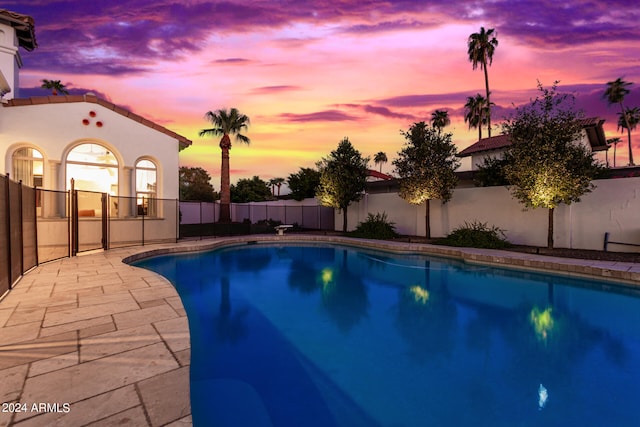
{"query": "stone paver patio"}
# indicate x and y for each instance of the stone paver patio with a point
(93, 341)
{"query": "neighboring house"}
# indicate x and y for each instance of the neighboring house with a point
(46, 141)
(592, 137)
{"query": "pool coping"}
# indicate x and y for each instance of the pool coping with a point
(112, 340)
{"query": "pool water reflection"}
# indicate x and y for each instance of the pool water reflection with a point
(336, 336)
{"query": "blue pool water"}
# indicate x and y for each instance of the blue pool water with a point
(335, 336)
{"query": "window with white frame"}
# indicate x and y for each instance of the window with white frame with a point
(28, 167)
(146, 187)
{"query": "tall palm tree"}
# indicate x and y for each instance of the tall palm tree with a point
(55, 86)
(614, 141)
(476, 111)
(614, 94)
(276, 182)
(380, 158)
(226, 123)
(440, 119)
(629, 121)
(481, 47)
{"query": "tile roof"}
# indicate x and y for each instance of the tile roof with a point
(591, 125)
(64, 99)
(486, 144)
(24, 26)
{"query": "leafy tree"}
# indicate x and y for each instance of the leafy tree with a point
(440, 119)
(276, 182)
(426, 167)
(343, 176)
(55, 86)
(614, 94)
(226, 123)
(491, 172)
(195, 184)
(548, 165)
(481, 47)
(476, 112)
(251, 190)
(380, 158)
(303, 185)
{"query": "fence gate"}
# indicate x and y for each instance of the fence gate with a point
(89, 221)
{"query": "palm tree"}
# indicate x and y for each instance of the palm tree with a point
(615, 141)
(440, 119)
(380, 159)
(276, 182)
(476, 112)
(226, 123)
(629, 121)
(614, 94)
(482, 46)
(55, 86)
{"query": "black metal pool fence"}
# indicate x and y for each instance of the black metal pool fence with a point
(39, 225)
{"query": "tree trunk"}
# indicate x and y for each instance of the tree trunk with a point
(427, 226)
(550, 230)
(225, 186)
(486, 83)
(344, 219)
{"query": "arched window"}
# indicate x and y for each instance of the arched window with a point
(28, 167)
(93, 168)
(146, 187)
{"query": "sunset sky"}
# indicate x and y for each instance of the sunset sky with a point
(309, 73)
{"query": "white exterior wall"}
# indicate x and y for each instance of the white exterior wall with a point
(10, 60)
(55, 129)
(612, 207)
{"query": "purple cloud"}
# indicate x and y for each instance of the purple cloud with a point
(232, 61)
(274, 89)
(378, 110)
(319, 116)
(118, 38)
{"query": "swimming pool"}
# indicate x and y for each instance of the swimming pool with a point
(313, 335)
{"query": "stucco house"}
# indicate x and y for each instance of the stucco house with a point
(592, 137)
(48, 141)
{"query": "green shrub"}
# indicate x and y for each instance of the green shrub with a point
(476, 235)
(375, 227)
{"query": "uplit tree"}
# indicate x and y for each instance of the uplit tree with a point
(195, 184)
(343, 176)
(426, 167)
(548, 165)
(304, 183)
(226, 123)
(615, 93)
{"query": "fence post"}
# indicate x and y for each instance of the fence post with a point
(143, 197)
(177, 220)
(8, 228)
(20, 227)
(35, 220)
(74, 219)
